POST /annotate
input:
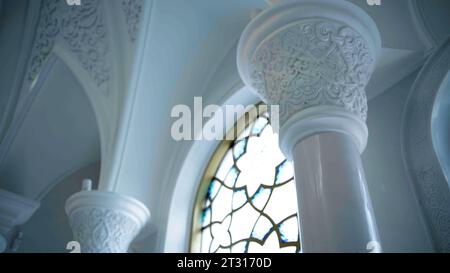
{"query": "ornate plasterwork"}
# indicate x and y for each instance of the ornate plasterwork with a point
(313, 62)
(422, 161)
(80, 29)
(105, 222)
(103, 230)
(133, 12)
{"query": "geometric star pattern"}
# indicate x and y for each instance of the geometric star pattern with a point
(251, 203)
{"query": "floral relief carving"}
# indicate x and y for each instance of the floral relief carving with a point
(133, 11)
(100, 230)
(312, 63)
(81, 29)
(47, 31)
(422, 162)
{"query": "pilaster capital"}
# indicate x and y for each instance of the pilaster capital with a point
(105, 222)
(15, 210)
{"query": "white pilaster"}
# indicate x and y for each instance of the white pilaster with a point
(105, 222)
(314, 58)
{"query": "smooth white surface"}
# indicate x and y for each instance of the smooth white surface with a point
(400, 222)
(49, 230)
(56, 134)
(334, 204)
(321, 119)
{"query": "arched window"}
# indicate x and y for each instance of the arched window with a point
(247, 201)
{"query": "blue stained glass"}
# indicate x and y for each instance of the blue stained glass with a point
(239, 148)
(283, 172)
(289, 230)
(206, 216)
(261, 197)
(213, 189)
(259, 126)
(232, 176)
(284, 236)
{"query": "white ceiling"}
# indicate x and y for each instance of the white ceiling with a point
(57, 136)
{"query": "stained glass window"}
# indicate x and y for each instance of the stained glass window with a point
(250, 204)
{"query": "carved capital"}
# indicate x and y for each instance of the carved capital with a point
(309, 54)
(313, 62)
(104, 222)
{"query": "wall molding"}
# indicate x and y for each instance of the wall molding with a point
(421, 159)
(429, 39)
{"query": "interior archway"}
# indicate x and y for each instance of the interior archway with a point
(440, 127)
(56, 135)
(187, 183)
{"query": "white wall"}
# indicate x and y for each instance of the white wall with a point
(48, 230)
(396, 208)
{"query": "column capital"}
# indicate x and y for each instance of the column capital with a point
(15, 210)
(105, 222)
(315, 55)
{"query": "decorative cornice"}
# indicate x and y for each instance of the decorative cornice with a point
(105, 222)
(15, 210)
(421, 159)
(308, 54)
(81, 29)
(133, 12)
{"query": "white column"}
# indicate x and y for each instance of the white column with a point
(336, 213)
(314, 58)
(105, 222)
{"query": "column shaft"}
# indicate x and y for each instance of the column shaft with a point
(334, 204)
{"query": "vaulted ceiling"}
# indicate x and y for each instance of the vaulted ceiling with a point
(192, 53)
